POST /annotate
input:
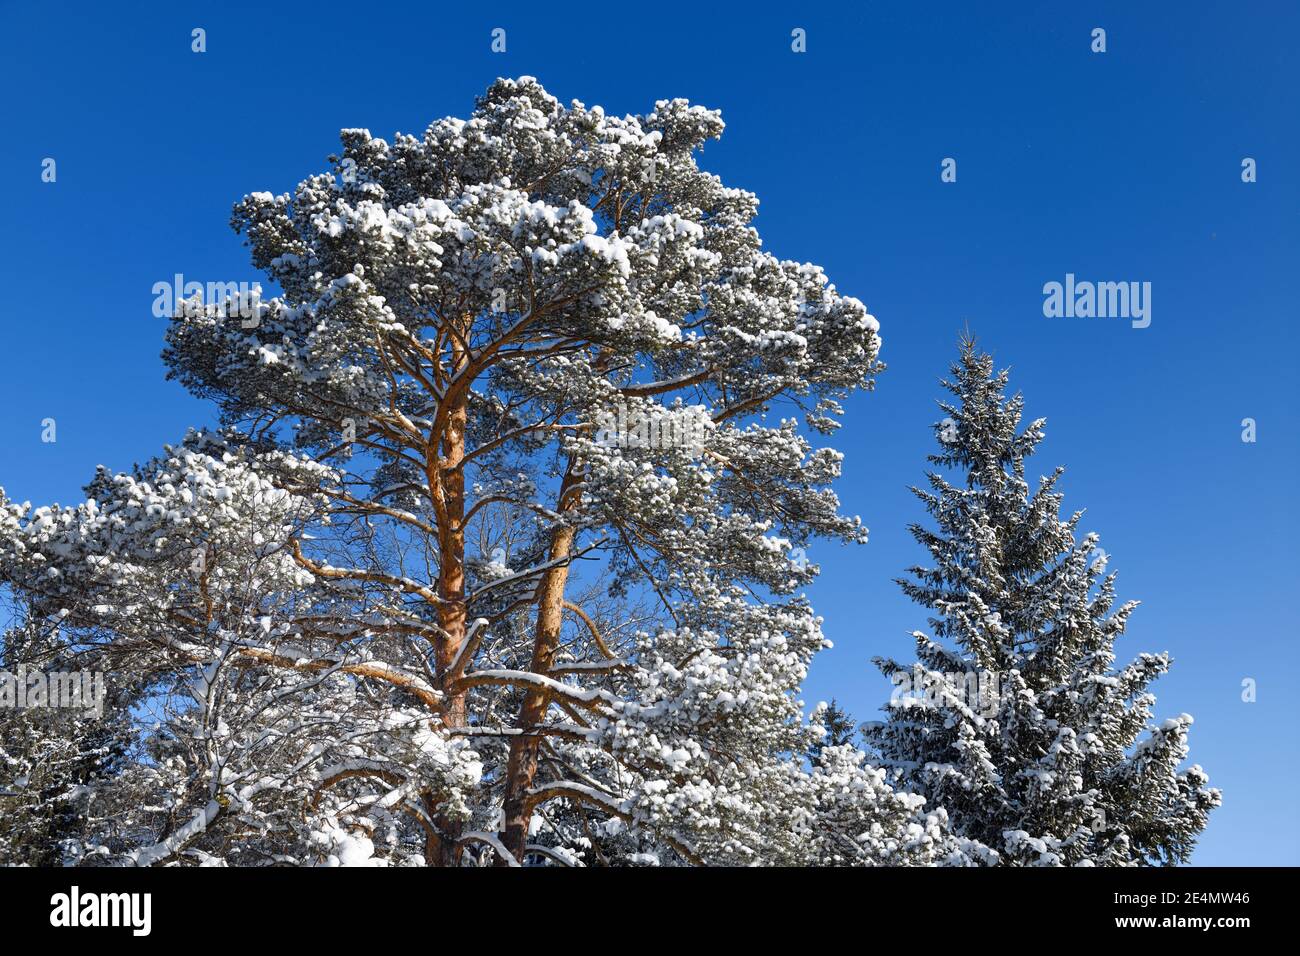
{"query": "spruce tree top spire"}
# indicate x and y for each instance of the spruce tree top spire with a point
(995, 537)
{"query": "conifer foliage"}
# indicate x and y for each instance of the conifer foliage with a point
(495, 554)
(1014, 717)
(369, 601)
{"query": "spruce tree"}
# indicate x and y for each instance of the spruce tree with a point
(840, 729)
(1015, 719)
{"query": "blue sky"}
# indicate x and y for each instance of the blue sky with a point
(1121, 166)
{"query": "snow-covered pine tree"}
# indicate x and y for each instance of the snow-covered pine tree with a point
(501, 349)
(1014, 719)
(55, 763)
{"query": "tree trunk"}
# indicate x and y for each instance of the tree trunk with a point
(521, 768)
(453, 612)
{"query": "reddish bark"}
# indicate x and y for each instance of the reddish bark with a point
(521, 767)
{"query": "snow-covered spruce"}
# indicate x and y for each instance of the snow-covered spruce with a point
(1043, 763)
(412, 605)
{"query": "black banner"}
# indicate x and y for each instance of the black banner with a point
(174, 905)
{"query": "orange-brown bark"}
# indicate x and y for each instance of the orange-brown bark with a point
(521, 767)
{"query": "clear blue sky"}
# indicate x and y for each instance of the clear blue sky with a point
(1117, 166)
